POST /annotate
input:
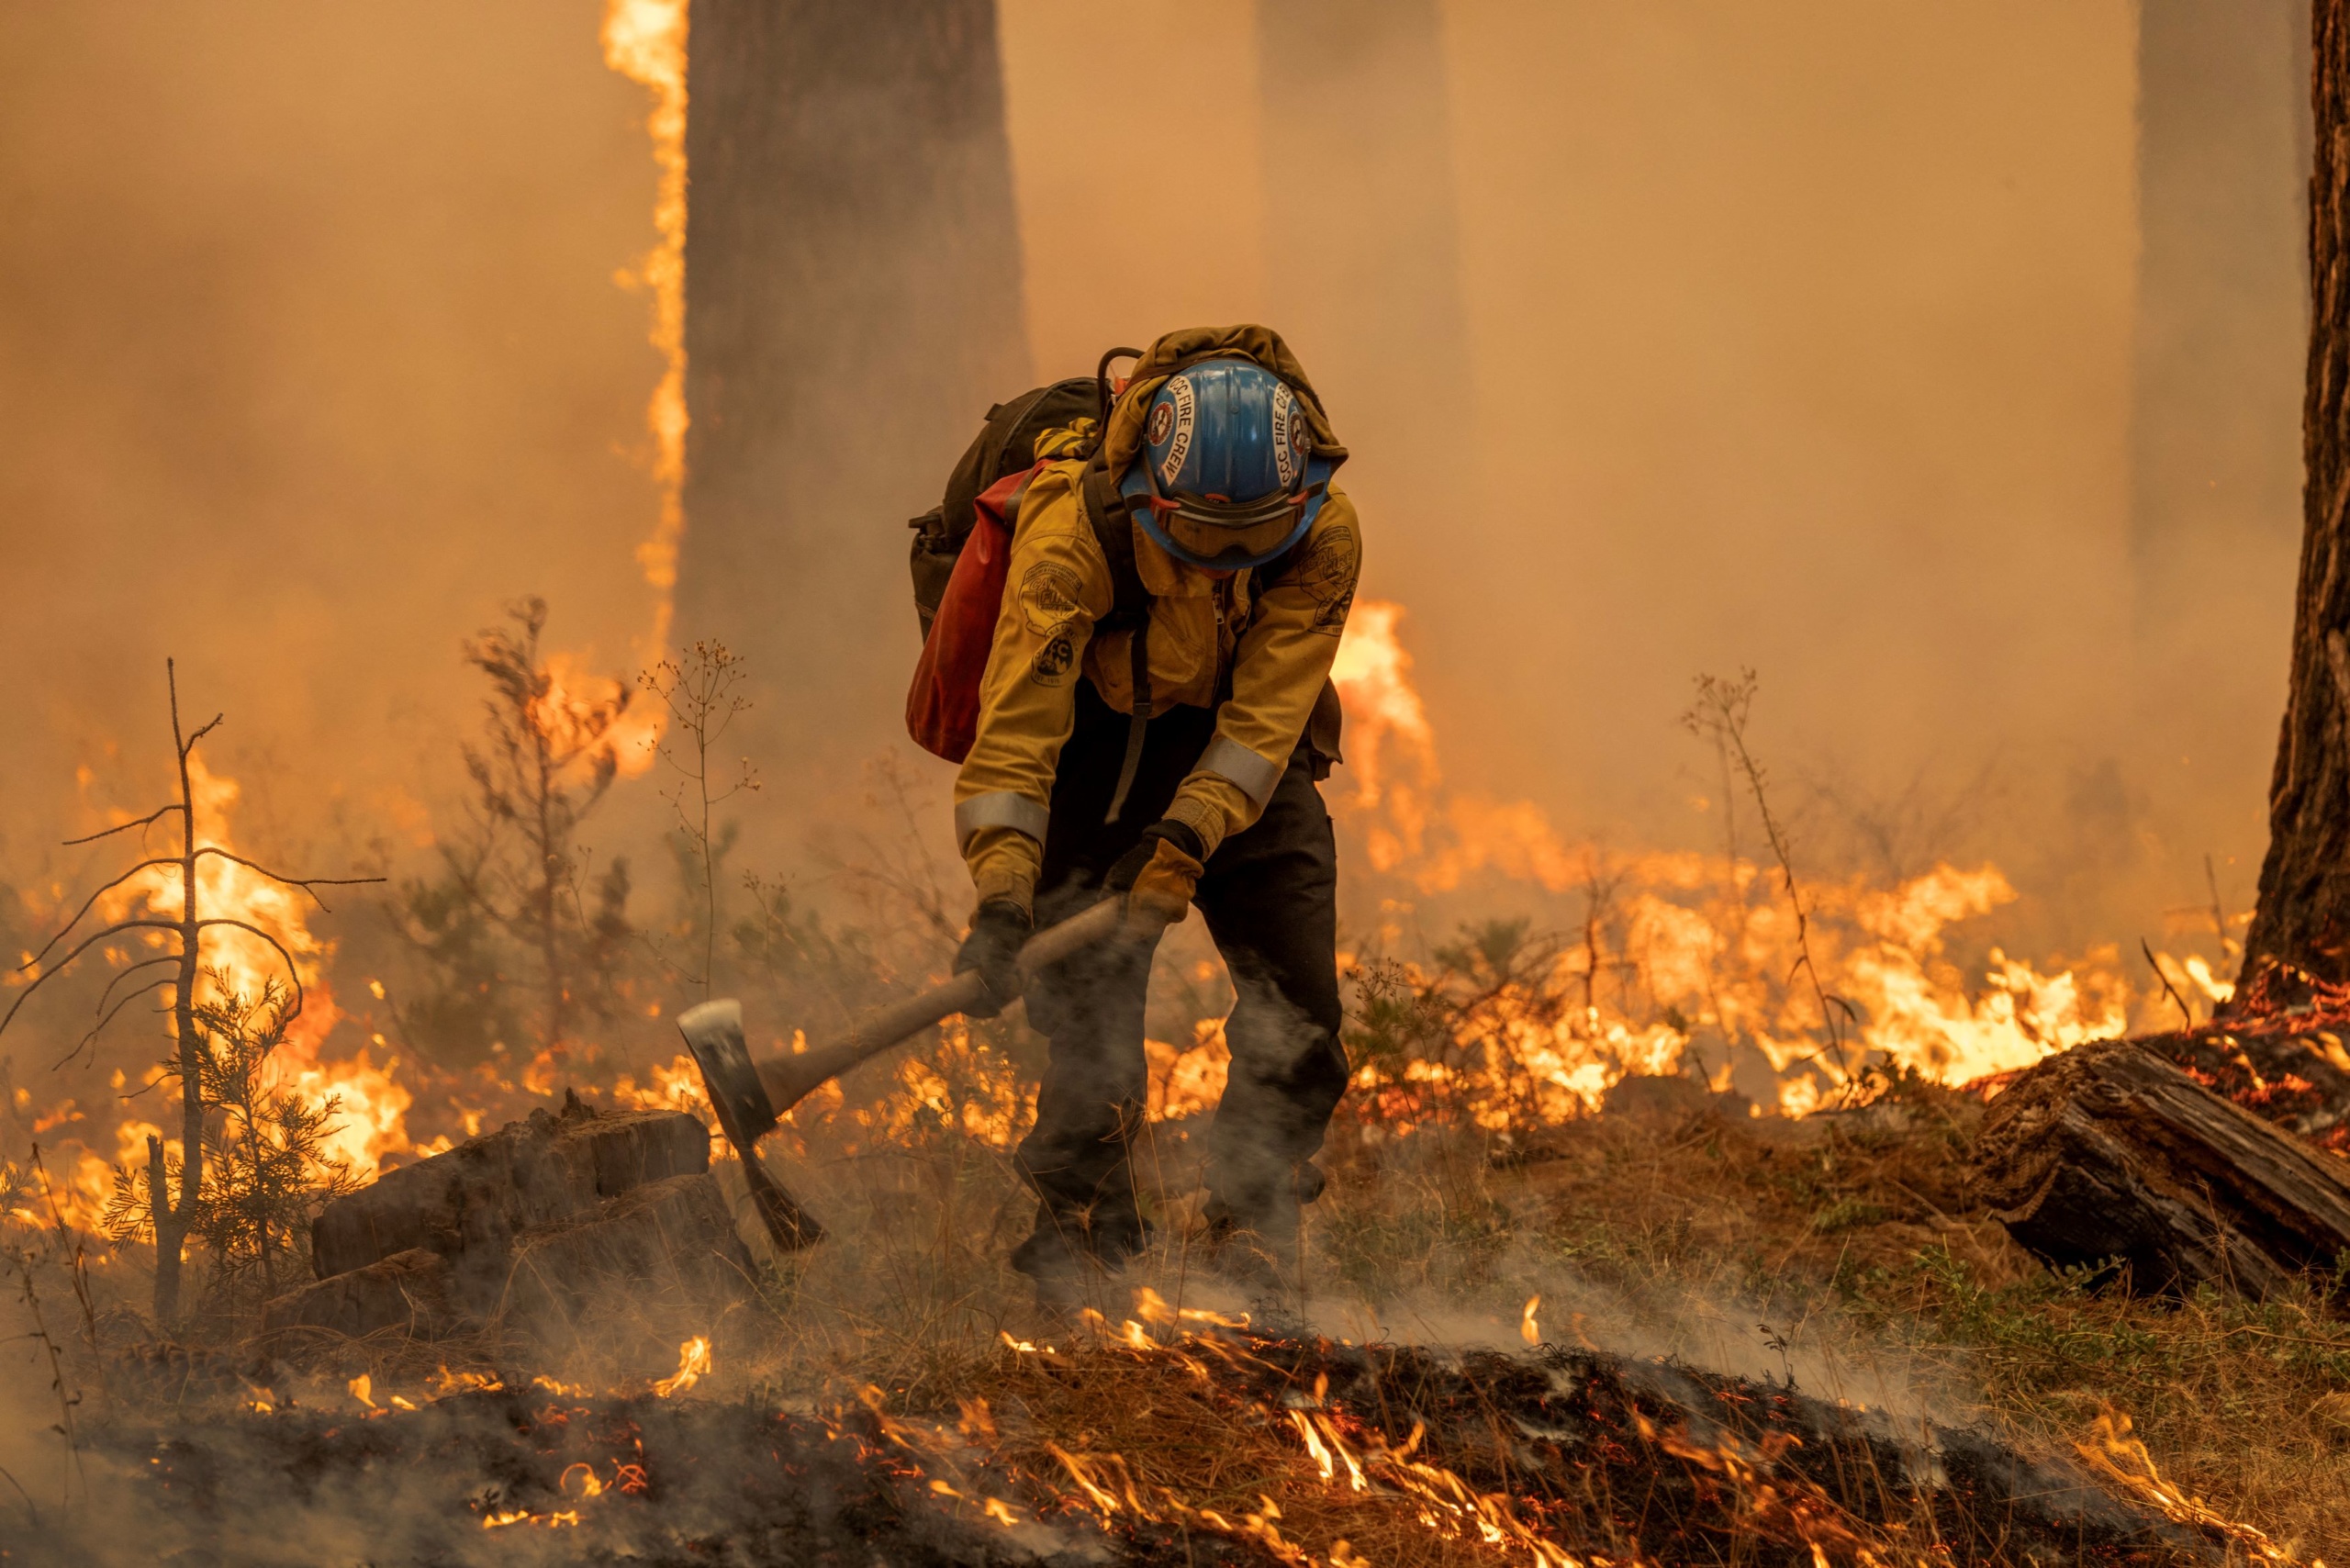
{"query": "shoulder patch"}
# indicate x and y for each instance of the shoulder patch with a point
(1054, 661)
(1326, 573)
(1050, 595)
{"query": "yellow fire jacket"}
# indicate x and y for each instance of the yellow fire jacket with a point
(1276, 643)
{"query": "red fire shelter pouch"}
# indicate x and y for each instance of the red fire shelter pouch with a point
(943, 706)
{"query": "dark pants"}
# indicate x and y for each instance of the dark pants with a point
(1269, 898)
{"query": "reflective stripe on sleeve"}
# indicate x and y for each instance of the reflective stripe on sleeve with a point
(1227, 758)
(1000, 807)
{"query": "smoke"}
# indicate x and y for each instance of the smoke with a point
(312, 358)
(1668, 339)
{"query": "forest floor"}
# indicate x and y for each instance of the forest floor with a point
(1839, 1258)
(1840, 1254)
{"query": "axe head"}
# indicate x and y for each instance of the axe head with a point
(713, 1032)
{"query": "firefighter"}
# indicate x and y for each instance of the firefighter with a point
(1154, 719)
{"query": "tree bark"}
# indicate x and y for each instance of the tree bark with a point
(2107, 1152)
(2303, 915)
(853, 308)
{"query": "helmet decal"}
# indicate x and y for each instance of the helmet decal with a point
(1162, 420)
(1178, 445)
(1286, 422)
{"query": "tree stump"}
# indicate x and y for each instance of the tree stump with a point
(408, 1291)
(2107, 1153)
(471, 1203)
(529, 1228)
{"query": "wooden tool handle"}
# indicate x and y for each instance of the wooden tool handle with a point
(789, 1078)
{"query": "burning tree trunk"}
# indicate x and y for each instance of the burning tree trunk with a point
(172, 1216)
(853, 268)
(2303, 915)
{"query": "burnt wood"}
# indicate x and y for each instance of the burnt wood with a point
(2109, 1153)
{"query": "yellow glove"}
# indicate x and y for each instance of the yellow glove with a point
(1158, 876)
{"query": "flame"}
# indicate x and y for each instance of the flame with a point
(590, 1485)
(524, 1516)
(1528, 1329)
(672, 1086)
(1390, 749)
(964, 1465)
(2112, 1452)
(371, 1124)
(230, 890)
(644, 40)
(273, 930)
(1190, 1082)
(693, 1364)
(1701, 952)
(575, 713)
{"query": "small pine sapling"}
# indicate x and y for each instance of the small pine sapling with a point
(179, 943)
(266, 1150)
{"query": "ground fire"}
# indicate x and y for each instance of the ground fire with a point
(1761, 1195)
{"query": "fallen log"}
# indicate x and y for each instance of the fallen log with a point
(2107, 1152)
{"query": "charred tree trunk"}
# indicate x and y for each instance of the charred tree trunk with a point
(173, 1220)
(2303, 916)
(853, 308)
(2107, 1152)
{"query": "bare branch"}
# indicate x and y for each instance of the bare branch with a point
(307, 884)
(125, 827)
(126, 974)
(116, 929)
(2155, 964)
(90, 1036)
(67, 930)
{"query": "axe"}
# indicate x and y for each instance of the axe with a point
(751, 1096)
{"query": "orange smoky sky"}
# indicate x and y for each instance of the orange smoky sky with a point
(1669, 338)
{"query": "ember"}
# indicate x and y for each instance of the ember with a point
(1355, 1454)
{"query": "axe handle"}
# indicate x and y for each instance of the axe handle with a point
(789, 1078)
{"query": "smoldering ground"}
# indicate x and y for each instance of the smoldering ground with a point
(1640, 1457)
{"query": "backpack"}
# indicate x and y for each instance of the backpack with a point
(962, 548)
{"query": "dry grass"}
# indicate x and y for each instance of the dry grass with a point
(1854, 1238)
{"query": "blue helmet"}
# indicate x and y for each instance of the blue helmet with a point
(1227, 477)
